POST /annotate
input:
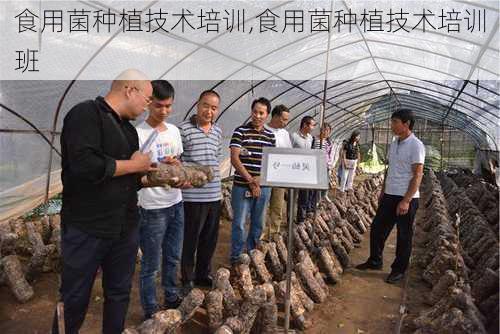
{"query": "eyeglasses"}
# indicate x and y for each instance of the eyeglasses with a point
(148, 100)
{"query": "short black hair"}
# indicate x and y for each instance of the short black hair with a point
(279, 109)
(264, 101)
(162, 89)
(405, 115)
(305, 121)
(354, 134)
(208, 92)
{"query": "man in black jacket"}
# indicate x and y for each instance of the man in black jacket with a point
(101, 173)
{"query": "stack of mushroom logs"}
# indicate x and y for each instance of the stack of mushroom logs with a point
(481, 195)
(39, 242)
(321, 251)
(245, 299)
(477, 207)
(459, 258)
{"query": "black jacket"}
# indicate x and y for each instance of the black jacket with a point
(92, 139)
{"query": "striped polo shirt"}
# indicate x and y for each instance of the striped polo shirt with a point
(204, 149)
(326, 146)
(251, 142)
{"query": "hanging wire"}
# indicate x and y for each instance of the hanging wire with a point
(449, 148)
(388, 129)
(441, 139)
(322, 112)
(325, 84)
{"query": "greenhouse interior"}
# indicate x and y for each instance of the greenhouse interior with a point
(307, 276)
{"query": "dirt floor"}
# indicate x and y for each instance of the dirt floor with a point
(361, 303)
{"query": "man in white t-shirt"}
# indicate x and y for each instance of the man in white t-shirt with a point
(279, 120)
(161, 210)
(303, 139)
(398, 200)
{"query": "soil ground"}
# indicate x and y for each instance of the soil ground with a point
(361, 303)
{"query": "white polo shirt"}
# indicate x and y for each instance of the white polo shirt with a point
(282, 136)
(402, 155)
(301, 141)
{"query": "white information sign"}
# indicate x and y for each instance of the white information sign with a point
(294, 168)
(283, 168)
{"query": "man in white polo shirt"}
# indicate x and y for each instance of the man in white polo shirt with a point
(279, 119)
(303, 139)
(399, 196)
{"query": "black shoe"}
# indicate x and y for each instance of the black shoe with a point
(172, 304)
(394, 277)
(204, 282)
(369, 265)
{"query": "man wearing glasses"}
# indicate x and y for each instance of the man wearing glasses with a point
(101, 169)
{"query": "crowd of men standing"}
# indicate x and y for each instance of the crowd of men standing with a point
(110, 209)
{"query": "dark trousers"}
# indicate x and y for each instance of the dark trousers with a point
(306, 203)
(201, 228)
(382, 226)
(82, 255)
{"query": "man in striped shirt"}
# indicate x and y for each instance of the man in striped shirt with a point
(324, 143)
(247, 195)
(202, 143)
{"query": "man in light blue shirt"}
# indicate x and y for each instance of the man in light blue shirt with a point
(202, 144)
(398, 200)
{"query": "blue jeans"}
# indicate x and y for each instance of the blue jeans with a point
(242, 206)
(161, 234)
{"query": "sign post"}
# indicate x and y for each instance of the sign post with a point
(291, 197)
(293, 169)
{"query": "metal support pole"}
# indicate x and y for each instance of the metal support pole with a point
(291, 195)
(372, 128)
(441, 139)
(449, 148)
(387, 132)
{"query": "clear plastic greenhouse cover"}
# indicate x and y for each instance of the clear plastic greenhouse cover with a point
(440, 58)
